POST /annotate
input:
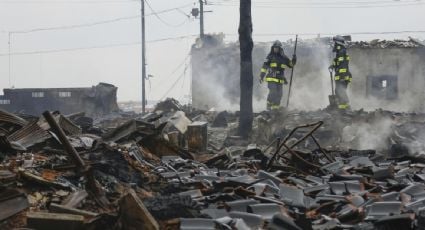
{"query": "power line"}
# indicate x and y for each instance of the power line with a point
(93, 47)
(162, 20)
(172, 38)
(183, 84)
(174, 84)
(195, 35)
(175, 69)
(66, 27)
(70, 49)
(179, 77)
(75, 26)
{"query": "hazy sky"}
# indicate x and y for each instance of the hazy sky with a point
(83, 49)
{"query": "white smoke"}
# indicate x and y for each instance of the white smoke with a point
(311, 83)
(368, 135)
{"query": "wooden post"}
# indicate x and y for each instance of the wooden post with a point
(246, 77)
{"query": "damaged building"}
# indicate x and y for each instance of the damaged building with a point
(386, 74)
(94, 101)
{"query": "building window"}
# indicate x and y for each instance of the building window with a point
(4, 102)
(382, 87)
(64, 94)
(37, 94)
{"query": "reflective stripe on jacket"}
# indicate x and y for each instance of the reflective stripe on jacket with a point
(274, 68)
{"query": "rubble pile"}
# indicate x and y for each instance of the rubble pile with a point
(177, 168)
(377, 43)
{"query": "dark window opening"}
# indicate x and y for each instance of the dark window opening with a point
(382, 87)
(4, 102)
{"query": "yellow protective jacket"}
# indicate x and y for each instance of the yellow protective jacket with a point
(341, 66)
(273, 69)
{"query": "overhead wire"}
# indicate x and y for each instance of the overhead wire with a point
(183, 84)
(195, 35)
(94, 47)
(184, 62)
(176, 68)
(174, 84)
(66, 27)
(155, 13)
(74, 26)
(162, 20)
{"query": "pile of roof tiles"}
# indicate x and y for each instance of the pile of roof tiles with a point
(372, 44)
(377, 43)
(155, 172)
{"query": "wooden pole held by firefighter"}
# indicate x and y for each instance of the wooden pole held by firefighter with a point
(292, 73)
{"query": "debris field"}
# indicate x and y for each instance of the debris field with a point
(179, 168)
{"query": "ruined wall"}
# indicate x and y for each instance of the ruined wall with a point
(405, 63)
(95, 101)
(215, 76)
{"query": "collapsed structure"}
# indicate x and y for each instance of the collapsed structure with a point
(178, 168)
(95, 101)
(382, 76)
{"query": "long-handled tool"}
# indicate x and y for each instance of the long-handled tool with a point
(292, 73)
(332, 98)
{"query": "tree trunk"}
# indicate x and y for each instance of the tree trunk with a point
(246, 79)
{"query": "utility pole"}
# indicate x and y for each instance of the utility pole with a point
(246, 77)
(143, 57)
(10, 81)
(201, 18)
(200, 12)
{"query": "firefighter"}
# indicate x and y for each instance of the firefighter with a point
(273, 72)
(343, 76)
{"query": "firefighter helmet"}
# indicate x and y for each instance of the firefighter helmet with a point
(277, 43)
(339, 40)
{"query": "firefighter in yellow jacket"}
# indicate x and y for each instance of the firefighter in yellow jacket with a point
(273, 72)
(343, 75)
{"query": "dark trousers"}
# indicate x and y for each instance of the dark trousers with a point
(275, 95)
(341, 94)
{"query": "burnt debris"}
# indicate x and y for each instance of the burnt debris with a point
(177, 168)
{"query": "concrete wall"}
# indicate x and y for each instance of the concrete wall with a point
(97, 100)
(408, 64)
(215, 76)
